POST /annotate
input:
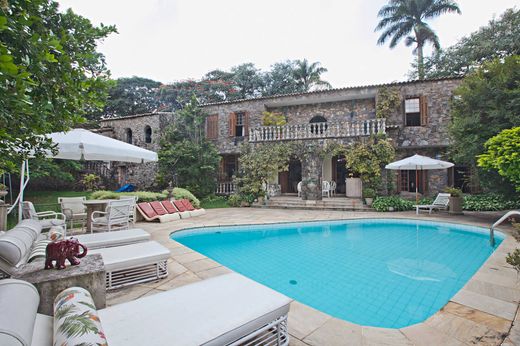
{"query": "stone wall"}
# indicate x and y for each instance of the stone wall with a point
(337, 106)
(142, 175)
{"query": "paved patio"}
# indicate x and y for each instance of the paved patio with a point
(483, 312)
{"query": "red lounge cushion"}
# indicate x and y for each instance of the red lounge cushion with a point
(180, 206)
(187, 204)
(158, 208)
(147, 210)
(170, 208)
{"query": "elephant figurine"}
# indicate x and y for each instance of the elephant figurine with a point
(64, 249)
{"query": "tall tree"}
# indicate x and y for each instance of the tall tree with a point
(130, 96)
(50, 75)
(308, 76)
(407, 19)
(498, 39)
(186, 156)
(248, 81)
(280, 79)
(487, 102)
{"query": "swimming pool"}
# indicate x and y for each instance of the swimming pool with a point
(379, 272)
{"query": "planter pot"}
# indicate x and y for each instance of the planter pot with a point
(456, 205)
(244, 204)
(390, 208)
(354, 187)
(3, 193)
(369, 201)
(261, 200)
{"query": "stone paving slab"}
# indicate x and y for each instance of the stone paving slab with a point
(477, 320)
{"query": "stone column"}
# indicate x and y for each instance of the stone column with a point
(3, 216)
(311, 177)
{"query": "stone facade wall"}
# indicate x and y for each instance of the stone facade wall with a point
(337, 106)
(142, 175)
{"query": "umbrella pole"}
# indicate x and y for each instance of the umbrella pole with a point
(416, 186)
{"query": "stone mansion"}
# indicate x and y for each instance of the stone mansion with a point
(419, 125)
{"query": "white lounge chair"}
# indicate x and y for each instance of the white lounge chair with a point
(74, 210)
(226, 310)
(111, 239)
(47, 219)
(440, 203)
(124, 265)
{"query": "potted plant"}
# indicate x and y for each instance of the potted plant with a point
(369, 194)
(456, 200)
(3, 190)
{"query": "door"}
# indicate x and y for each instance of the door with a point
(283, 180)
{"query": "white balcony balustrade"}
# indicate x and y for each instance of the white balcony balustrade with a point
(317, 131)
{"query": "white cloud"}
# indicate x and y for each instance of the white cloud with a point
(170, 40)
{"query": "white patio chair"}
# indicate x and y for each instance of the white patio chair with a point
(134, 199)
(441, 202)
(299, 189)
(333, 187)
(115, 217)
(325, 188)
(47, 219)
(74, 210)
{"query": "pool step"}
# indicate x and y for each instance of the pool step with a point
(338, 203)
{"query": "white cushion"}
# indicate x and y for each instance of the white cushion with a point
(43, 330)
(197, 212)
(15, 246)
(48, 223)
(133, 255)
(116, 238)
(18, 305)
(169, 217)
(216, 311)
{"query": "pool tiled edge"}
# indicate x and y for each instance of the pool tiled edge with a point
(482, 312)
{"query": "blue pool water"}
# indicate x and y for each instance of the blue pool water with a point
(381, 272)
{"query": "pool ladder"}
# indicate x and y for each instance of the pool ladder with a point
(499, 221)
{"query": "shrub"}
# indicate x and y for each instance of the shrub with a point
(453, 191)
(489, 202)
(213, 201)
(144, 196)
(180, 193)
(369, 192)
(395, 202)
(234, 200)
(91, 181)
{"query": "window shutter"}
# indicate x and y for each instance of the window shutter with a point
(212, 126)
(403, 108)
(424, 110)
(246, 124)
(232, 124)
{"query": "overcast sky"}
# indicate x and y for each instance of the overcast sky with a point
(170, 40)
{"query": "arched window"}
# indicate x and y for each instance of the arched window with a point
(320, 124)
(148, 134)
(129, 138)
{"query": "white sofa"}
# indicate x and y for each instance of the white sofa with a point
(225, 310)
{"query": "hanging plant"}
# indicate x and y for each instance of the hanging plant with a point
(388, 101)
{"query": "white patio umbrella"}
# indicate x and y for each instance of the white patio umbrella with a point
(418, 163)
(81, 144)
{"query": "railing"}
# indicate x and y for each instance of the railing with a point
(499, 221)
(317, 130)
(225, 189)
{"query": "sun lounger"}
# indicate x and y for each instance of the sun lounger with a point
(135, 263)
(193, 211)
(111, 239)
(226, 310)
(150, 214)
(125, 265)
(183, 209)
(440, 203)
(168, 205)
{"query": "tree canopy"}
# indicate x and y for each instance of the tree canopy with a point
(503, 154)
(186, 157)
(406, 19)
(50, 75)
(497, 40)
(487, 102)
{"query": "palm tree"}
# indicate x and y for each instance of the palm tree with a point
(308, 76)
(408, 17)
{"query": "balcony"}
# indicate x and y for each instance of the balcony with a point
(317, 131)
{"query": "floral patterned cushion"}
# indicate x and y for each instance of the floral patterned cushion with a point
(76, 321)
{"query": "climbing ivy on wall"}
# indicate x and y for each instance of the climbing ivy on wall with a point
(388, 101)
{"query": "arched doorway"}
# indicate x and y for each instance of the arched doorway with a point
(318, 124)
(289, 180)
